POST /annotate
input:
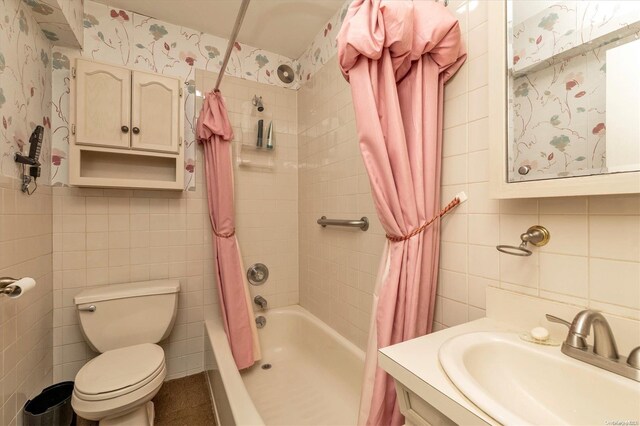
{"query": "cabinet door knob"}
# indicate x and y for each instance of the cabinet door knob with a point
(135, 130)
(124, 129)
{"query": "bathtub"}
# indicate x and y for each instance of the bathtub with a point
(313, 376)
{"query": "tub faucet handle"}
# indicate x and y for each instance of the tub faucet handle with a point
(260, 301)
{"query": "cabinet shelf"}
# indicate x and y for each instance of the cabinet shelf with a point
(112, 168)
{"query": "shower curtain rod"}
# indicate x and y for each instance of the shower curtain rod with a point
(232, 40)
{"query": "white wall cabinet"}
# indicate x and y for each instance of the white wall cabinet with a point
(126, 128)
(103, 105)
(154, 113)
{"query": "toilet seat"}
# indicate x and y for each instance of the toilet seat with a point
(119, 372)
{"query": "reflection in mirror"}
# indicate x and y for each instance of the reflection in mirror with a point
(574, 88)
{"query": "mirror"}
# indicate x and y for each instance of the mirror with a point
(573, 89)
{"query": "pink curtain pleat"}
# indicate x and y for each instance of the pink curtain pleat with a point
(215, 134)
(397, 55)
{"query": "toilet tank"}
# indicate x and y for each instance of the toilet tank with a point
(119, 315)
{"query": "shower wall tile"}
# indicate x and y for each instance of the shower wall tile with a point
(338, 266)
(266, 198)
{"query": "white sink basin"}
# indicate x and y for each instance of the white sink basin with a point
(518, 382)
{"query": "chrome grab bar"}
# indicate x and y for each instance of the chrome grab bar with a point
(363, 223)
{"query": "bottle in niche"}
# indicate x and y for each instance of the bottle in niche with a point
(260, 126)
(270, 136)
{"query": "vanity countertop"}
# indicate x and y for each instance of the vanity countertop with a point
(415, 364)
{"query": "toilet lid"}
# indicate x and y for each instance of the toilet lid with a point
(119, 368)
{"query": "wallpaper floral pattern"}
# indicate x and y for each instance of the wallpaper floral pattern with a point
(571, 24)
(323, 47)
(59, 20)
(559, 117)
(25, 85)
(125, 38)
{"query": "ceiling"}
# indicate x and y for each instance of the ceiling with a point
(286, 27)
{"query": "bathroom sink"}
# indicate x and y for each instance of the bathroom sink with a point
(518, 382)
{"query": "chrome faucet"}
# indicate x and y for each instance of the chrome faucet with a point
(260, 301)
(604, 352)
(604, 344)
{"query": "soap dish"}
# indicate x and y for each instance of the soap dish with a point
(549, 342)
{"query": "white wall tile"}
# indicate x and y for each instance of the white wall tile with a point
(27, 324)
(455, 111)
(477, 42)
(615, 237)
(483, 262)
(453, 285)
(615, 282)
(478, 72)
(479, 135)
(569, 234)
(484, 229)
(478, 103)
(564, 274)
(454, 141)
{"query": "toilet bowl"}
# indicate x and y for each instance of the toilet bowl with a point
(124, 322)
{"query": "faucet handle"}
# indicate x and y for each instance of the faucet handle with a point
(260, 301)
(634, 358)
(558, 320)
(572, 339)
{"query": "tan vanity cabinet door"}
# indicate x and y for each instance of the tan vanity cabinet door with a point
(155, 108)
(102, 105)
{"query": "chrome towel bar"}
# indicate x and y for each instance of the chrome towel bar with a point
(363, 223)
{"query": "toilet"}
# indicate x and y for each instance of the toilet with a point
(124, 323)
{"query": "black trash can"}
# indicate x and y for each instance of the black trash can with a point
(51, 407)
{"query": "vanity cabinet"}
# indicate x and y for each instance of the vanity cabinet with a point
(418, 412)
(126, 128)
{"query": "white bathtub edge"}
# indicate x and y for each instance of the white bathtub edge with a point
(243, 410)
(241, 405)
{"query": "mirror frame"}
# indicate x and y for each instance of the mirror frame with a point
(615, 183)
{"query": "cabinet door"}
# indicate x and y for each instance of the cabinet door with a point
(155, 109)
(102, 105)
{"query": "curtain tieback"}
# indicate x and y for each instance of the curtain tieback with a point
(229, 235)
(447, 209)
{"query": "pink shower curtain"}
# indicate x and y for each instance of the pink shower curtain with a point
(215, 134)
(397, 55)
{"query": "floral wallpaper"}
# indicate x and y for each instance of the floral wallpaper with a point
(59, 20)
(570, 24)
(559, 88)
(125, 38)
(323, 47)
(25, 85)
(544, 35)
(559, 117)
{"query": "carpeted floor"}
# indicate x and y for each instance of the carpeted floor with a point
(180, 402)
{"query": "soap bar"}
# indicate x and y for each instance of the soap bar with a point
(540, 333)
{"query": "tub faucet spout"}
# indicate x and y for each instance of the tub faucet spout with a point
(260, 301)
